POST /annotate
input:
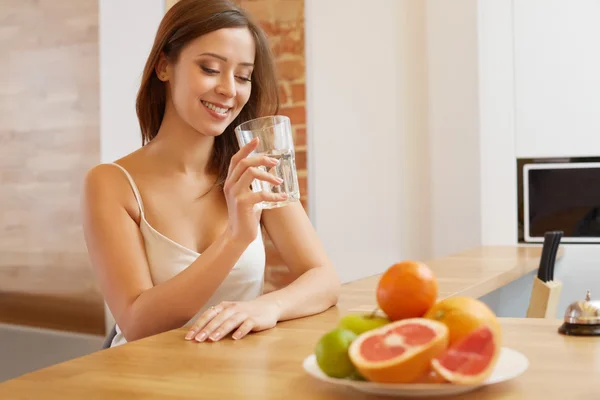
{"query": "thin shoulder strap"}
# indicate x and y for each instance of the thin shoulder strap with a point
(136, 192)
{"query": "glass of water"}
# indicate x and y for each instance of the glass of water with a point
(275, 141)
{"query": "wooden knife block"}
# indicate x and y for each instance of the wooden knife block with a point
(544, 299)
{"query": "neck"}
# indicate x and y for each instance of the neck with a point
(180, 146)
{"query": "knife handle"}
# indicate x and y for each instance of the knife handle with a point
(545, 259)
(557, 236)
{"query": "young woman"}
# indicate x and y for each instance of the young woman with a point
(171, 229)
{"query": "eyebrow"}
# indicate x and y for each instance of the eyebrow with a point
(246, 64)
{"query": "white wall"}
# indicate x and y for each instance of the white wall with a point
(452, 50)
(497, 123)
(365, 80)
(557, 80)
(471, 124)
(127, 30)
(412, 116)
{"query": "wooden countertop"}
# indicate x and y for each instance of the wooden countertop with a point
(268, 365)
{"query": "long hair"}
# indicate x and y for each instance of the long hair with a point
(184, 22)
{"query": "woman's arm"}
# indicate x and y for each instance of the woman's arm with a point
(315, 289)
(117, 254)
(317, 284)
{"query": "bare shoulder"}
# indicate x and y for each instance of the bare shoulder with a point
(107, 185)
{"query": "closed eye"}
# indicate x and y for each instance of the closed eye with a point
(210, 71)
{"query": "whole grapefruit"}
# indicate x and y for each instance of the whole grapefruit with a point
(406, 290)
(463, 315)
(399, 352)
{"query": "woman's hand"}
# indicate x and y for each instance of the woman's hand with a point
(218, 321)
(241, 200)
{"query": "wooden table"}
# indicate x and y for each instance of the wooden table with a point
(267, 365)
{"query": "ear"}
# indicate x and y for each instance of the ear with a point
(162, 68)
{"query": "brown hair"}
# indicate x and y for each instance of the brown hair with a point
(184, 22)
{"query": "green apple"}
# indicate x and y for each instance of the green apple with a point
(332, 354)
(360, 323)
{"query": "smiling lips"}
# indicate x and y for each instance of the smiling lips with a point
(217, 109)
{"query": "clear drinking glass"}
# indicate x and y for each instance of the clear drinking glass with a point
(275, 141)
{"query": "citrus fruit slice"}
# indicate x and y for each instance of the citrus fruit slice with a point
(399, 352)
(463, 315)
(406, 290)
(431, 377)
(331, 352)
(471, 360)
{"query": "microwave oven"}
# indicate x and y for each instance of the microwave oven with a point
(563, 196)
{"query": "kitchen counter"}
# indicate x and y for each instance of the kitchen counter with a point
(268, 365)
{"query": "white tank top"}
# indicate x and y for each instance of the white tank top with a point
(167, 258)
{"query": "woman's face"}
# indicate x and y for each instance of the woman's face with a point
(210, 82)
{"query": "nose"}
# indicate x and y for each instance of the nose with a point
(226, 86)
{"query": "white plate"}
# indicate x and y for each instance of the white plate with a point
(510, 364)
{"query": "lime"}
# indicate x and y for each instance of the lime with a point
(358, 323)
(332, 353)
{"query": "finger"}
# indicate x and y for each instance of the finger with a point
(227, 326)
(215, 323)
(257, 197)
(204, 319)
(244, 329)
(247, 163)
(243, 153)
(253, 173)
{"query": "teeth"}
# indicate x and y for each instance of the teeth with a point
(215, 108)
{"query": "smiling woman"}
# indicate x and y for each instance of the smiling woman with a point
(172, 229)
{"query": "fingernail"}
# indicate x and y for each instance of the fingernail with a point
(284, 195)
(190, 335)
(214, 336)
(279, 180)
(273, 160)
(236, 336)
(201, 337)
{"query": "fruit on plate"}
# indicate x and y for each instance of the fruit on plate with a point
(331, 352)
(361, 323)
(399, 352)
(471, 360)
(406, 290)
(431, 376)
(463, 315)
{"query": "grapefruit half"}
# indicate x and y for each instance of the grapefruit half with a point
(399, 352)
(471, 360)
